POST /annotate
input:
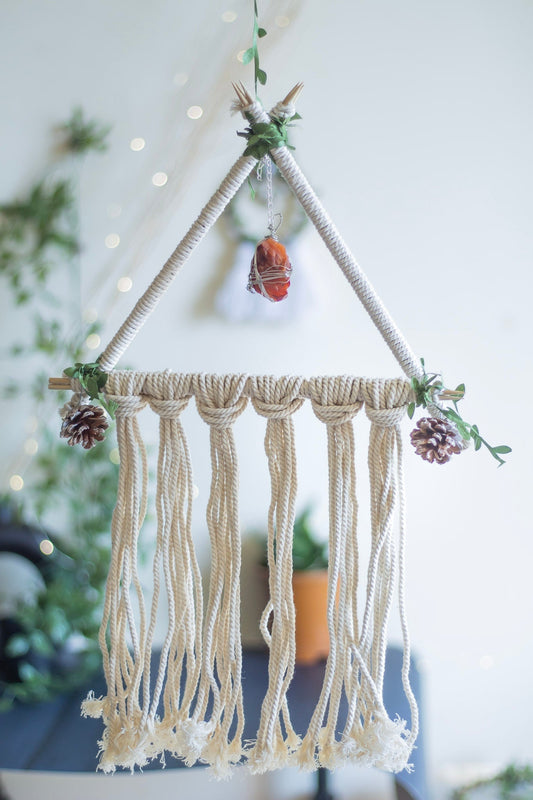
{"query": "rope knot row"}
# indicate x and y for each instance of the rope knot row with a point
(385, 417)
(276, 398)
(222, 417)
(127, 406)
(335, 414)
(168, 409)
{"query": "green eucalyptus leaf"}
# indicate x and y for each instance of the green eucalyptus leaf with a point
(28, 672)
(411, 410)
(261, 32)
(248, 55)
(17, 645)
(261, 76)
(91, 384)
(502, 448)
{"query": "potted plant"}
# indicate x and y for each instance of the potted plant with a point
(310, 590)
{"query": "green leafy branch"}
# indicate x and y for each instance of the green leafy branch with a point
(510, 780)
(92, 379)
(84, 135)
(260, 75)
(426, 390)
(265, 136)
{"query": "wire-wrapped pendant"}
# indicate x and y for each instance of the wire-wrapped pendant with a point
(270, 270)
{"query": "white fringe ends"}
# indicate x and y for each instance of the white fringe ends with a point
(192, 706)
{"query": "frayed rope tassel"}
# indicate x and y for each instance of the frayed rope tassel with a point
(134, 734)
(277, 400)
(220, 401)
(356, 662)
(369, 732)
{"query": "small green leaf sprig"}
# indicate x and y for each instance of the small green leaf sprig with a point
(430, 385)
(92, 379)
(265, 136)
(260, 75)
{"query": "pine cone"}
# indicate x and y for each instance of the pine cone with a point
(436, 440)
(85, 425)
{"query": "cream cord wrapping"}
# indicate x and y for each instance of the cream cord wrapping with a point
(149, 300)
(316, 213)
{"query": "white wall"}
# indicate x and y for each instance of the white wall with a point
(417, 134)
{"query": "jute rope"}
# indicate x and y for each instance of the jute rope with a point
(199, 674)
(277, 400)
(220, 401)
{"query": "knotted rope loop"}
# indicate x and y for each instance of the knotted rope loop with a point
(385, 417)
(335, 401)
(335, 414)
(221, 417)
(220, 399)
(276, 410)
(276, 398)
(128, 406)
(168, 409)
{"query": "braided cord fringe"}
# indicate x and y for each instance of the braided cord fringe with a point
(335, 404)
(198, 680)
(181, 653)
(383, 743)
(277, 400)
(127, 739)
(220, 401)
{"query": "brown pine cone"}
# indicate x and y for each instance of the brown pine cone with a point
(436, 440)
(85, 425)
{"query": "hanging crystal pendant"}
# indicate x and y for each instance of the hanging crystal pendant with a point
(270, 270)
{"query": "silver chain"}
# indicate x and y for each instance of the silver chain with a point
(270, 197)
(273, 220)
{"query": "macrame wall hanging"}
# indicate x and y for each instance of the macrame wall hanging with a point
(192, 707)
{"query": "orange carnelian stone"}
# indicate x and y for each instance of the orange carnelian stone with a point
(273, 270)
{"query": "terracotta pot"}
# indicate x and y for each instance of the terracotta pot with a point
(310, 588)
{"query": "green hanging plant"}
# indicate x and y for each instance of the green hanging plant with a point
(39, 242)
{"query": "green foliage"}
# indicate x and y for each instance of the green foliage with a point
(73, 487)
(265, 136)
(512, 783)
(428, 387)
(308, 552)
(33, 234)
(84, 135)
(93, 379)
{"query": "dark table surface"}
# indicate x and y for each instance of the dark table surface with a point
(54, 737)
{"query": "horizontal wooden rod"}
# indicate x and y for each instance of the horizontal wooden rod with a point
(62, 384)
